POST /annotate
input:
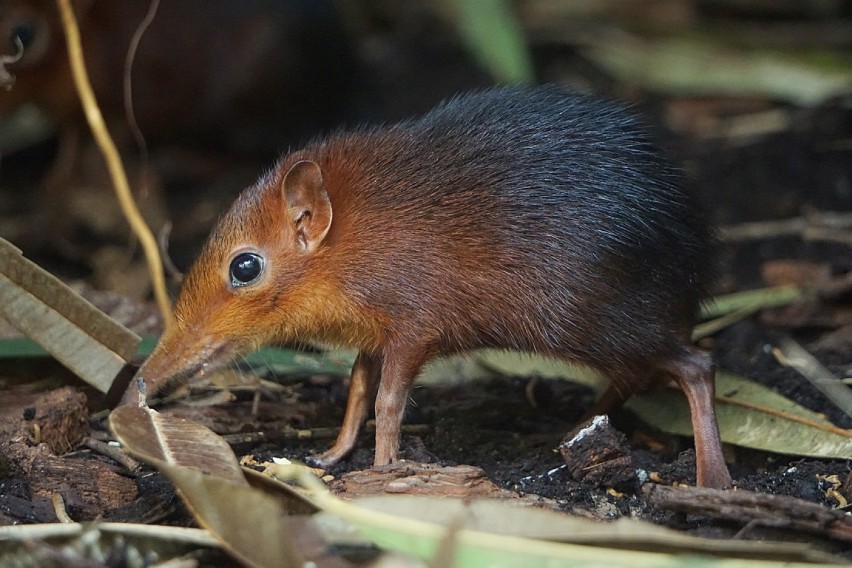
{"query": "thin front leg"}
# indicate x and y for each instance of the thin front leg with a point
(365, 373)
(399, 370)
(694, 372)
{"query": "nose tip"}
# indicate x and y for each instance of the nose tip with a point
(136, 393)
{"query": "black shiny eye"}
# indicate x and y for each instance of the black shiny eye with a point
(245, 269)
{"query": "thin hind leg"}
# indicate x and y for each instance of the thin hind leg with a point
(693, 370)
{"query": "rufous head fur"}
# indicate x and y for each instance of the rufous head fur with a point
(260, 251)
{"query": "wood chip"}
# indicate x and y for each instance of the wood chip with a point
(88, 487)
(57, 418)
(597, 453)
(412, 478)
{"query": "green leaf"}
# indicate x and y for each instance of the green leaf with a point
(754, 300)
(752, 416)
(293, 362)
(494, 36)
(496, 534)
(529, 365)
(21, 347)
(699, 66)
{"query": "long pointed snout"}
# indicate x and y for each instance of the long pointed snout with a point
(175, 358)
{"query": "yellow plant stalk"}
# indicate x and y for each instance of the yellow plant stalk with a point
(113, 160)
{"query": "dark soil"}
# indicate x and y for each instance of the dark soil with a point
(492, 424)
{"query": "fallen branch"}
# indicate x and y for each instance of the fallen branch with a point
(754, 509)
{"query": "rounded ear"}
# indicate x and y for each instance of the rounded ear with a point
(307, 204)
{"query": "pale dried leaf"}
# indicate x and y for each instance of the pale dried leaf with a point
(248, 522)
(154, 438)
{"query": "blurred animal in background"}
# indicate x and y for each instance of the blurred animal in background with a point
(213, 82)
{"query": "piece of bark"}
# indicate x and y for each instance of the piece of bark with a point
(754, 509)
(18, 456)
(595, 452)
(57, 418)
(412, 478)
(21, 510)
(89, 488)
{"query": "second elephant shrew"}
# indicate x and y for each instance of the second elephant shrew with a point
(524, 218)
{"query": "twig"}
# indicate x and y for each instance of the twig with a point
(128, 80)
(713, 326)
(163, 239)
(825, 427)
(760, 299)
(111, 452)
(755, 509)
(791, 354)
(113, 160)
(59, 508)
(813, 226)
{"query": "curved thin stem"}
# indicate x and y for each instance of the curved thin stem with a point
(113, 160)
